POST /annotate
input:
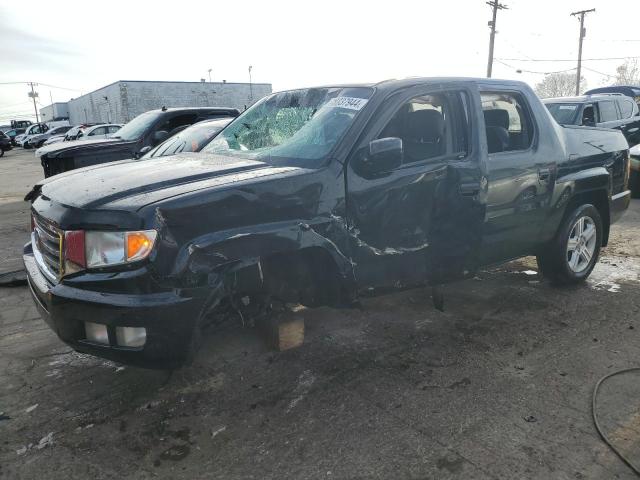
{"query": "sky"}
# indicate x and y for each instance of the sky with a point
(70, 49)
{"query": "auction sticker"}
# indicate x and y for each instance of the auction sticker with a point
(352, 103)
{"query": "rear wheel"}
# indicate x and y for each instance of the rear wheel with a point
(1, 152)
(570, 257)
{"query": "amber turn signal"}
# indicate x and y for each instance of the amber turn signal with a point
(139, 244)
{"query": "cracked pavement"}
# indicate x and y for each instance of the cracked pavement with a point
(498, 386)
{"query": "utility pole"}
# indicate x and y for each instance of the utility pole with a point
(209, 74)
(33, 95)
(495, 5)
(582, 13)
(250, 86)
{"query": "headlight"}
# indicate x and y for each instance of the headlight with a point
(90, 249)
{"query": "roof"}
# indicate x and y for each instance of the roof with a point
(629, 90)
(394, 84)
(580, 99)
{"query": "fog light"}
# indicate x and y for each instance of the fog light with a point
(96, 332)
(131, 336)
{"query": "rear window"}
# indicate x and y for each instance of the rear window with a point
(626, 107)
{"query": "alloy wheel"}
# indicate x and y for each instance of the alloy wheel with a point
(581, 244)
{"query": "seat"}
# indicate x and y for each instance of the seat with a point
(497, 126)
(423, 134)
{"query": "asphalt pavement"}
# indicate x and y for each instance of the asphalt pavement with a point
(498, 386)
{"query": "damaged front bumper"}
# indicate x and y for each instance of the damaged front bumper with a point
(169, 317)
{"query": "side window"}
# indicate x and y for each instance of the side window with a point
(430, 126)
(626, 107)
(174, 123)
(508, 123)
(608, 111)
(588, 116)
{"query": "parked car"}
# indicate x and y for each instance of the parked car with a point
(54, 139)
(135, 139)
(606, 110)
(32, 131)
(38, 140)
(632, 91)
(99, 131)
(316, 196)
(191, 139)
(74, 132)
(13, 134)
(5, 144)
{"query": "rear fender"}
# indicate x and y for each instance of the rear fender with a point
(591, 186)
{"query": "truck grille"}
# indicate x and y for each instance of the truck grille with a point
(47, 244)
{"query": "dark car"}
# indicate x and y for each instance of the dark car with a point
(318, 196)
(605, 110)
(191, 139)
(13, 133)
(135, 139)
(5, 144)
(632, 91)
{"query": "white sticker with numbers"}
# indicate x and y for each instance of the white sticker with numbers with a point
(352, 103)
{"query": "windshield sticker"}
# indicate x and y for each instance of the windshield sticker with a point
(352, 103)
(567, 107)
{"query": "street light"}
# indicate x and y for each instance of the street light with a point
(209, 74)
(250, 86)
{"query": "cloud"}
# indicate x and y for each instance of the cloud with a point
(20, 49)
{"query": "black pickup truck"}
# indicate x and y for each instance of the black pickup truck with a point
(318, 196)
(135, 139)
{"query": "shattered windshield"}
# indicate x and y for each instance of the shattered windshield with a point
(136, 127)
(300, 125)
(564, 113)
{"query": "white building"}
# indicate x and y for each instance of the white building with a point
(123, 100)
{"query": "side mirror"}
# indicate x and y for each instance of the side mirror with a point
(159, 137)
(384, 156)
(143, 151)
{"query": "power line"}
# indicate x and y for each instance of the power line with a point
(522, 70)
(566, 59)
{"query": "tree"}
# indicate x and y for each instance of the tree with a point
(559, 85)
(628, 73)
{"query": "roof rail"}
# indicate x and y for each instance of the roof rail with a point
(617, 94)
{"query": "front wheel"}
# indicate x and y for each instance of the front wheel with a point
(1, 152)
(570, 257)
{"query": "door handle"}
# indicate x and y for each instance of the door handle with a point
(469, 189)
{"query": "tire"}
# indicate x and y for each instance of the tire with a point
(1, 152)
(570, 257)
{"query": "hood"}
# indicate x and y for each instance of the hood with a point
(132, 184)
(59, 147)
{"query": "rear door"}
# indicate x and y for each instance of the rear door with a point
(520, 176)
(422, 221)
